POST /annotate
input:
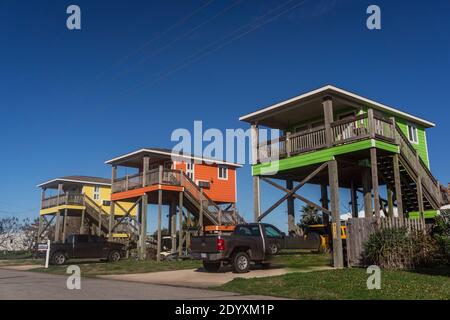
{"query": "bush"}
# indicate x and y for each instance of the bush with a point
(397, 248)
(441, 233)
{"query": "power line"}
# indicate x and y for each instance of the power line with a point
(184, 35)
(204, 51)
(147, 43)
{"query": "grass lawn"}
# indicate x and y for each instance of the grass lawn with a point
(301, 259)
(93, 268)
(20, 262)
(348, 284)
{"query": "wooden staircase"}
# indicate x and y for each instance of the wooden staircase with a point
(411, 168)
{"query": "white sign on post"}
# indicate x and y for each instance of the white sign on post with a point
(45, 247)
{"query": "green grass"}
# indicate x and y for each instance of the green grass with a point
(7, 255)
(348, 284)
(93, 268)
(301, 259)
(19, 262)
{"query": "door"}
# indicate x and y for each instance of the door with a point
(80, 245)
(274, 238)
(251, 237)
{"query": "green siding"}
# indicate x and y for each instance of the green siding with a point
(320, 156)
(421, 147)
(426, 214)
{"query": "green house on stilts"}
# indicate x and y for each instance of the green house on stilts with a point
(337, 139)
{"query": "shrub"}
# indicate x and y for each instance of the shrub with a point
(441, 232)
(397, 248)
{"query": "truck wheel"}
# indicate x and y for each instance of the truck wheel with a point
(273, 249)
(58, 258)
(211, 266)
(114, 256)
(241, 262)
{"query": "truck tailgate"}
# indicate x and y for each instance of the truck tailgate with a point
(204, 244)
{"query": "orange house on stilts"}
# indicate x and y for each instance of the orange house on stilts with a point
(198, 191)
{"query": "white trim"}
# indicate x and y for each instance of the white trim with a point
(412, 125)
(176, 155)
(192, 170)
(77, 181)
(344, 92)
(426, 147)
(218, 172)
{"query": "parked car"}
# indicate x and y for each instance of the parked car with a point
(83, 246)
(253, 242)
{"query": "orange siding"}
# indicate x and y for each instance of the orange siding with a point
(221, 190)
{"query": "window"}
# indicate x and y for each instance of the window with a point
(412, 133)
(96, 193)
(271, 232)
(106, 203)
(252, 231)
(190, 170)
(223, 172)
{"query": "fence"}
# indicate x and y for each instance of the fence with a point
(359, 230)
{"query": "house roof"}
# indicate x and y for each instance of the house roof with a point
(334, 92)
(78, 179)
(166, 153)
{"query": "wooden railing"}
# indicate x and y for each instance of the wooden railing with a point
(418, 166)
(342, 131)
(152, 177)
(62, 199)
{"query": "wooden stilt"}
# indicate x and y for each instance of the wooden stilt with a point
(58, 226)
(200, 219)
(158, 249)
(354, 199)
(376, 194)
(338, 257)
(398, 187)
(173, 224)
(143, 230)
(112, 205)
(82, 221)
(64, 226)
(324, 201)
(256, 198)
(390, 199)
(419, 191)
(366, 180)
(180, 221)
(290, 208)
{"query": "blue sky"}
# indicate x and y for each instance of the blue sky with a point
(69, 100)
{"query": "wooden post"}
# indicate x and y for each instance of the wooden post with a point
(398, 187)
(158, 249)
(256, 198)
(367, 191)
(143, 235)
(324, 201)
(112, 204)
(288, 144)
(328, 119)
(354, 199)
(419, 189)
(254, 131)
(82, 221)
(371, 123)
(64, 226)
(290, 207)
(390, 199)
(338, 257)
(376, 194)
(58, 226)
(180, 226)
(173, 224)
(200, 219)
(145, 167)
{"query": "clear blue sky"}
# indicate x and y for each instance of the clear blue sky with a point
(69, 100)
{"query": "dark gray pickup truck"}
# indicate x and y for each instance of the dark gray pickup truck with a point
(253, 242)
(83, 246)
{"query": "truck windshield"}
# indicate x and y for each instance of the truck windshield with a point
(252, 231)
(271, 232)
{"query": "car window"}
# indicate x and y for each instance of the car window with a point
(250, 231)
(271, 232)
(70, 239)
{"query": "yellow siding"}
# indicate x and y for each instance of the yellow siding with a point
(53, 210)
(105, 195)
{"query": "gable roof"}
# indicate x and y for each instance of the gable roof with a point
(79, 179)
(333, 91)
(168, 153)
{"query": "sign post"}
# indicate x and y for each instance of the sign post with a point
(45, 247)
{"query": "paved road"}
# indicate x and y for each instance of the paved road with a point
(33, 285)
